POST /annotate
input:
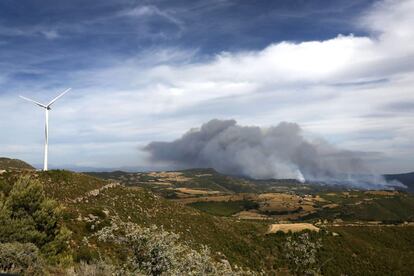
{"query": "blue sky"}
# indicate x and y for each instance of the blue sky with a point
(150, 70)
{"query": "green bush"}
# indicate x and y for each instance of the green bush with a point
(27, 216)
(85, 254)
(21, 258)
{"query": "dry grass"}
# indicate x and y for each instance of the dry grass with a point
(196, 191)
(161, 183)
(170, 176)
(292, 227)
(216, 198)
(382, 193)
(278, 202)
(330, 206)
(250, 215)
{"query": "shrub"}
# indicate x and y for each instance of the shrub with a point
(21, 258)
(85, 254)
(99, 268)
(155, 251)
(301, 252)
(27, 216)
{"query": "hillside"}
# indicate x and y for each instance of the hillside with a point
(175, 184)
(209, 179)
(218, 194)
(8, 163)
(91, 203)
(86, 197)
(405, 178)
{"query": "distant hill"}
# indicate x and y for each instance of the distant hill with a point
(8, 163)
(405, 178)
(170, 184)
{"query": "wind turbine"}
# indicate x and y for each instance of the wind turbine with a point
(47, 108)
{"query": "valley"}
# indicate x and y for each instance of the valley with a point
(246, 222)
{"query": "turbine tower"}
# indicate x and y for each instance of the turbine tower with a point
(47, 108)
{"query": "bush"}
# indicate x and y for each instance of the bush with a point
(99, 268)
(27, 216)
(20, 258)
(155, 251)
(85, 254)
(301, 252)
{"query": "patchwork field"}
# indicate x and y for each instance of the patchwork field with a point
(278, 200)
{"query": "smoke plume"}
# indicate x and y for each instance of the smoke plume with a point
(280, 152)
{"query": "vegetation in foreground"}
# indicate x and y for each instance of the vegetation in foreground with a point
(115, 230)
(34, 241)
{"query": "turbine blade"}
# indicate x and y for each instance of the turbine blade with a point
(55, 99)
(33, 101)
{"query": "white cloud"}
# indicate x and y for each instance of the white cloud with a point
(150, 10)
(50, 34)
(333, 88)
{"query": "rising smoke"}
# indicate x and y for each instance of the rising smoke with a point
(280, 152)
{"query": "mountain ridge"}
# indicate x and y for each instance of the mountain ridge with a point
(9, 163)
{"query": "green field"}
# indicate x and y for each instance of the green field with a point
(224, 208)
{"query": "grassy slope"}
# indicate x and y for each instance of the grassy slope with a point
(365, 207)
(241, 242)
(370, 251)
(7, 163)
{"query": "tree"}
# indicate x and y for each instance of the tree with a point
(28, 216)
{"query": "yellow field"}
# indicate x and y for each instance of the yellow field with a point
(382, 193)
(170, 176)
(196, 191)
(292, 227)
(250, 215)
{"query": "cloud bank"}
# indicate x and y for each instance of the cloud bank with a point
(354, 90)
(279, 152)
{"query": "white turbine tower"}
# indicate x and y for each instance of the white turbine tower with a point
(47, 108)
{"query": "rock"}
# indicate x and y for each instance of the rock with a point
(93, 217)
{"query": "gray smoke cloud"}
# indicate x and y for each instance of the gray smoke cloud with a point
(280, 152)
